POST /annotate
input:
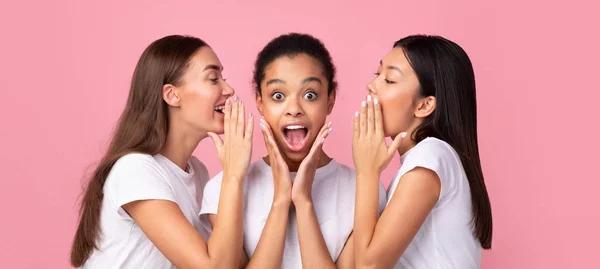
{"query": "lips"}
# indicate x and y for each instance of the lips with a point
(220, 108)
(296, 136)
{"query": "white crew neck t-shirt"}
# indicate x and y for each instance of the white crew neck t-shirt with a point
(333, 194)
(445, 240)
(122, 244)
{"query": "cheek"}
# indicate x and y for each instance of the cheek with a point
(396, 112)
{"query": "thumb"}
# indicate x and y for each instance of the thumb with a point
(396, 143)
(217, 140)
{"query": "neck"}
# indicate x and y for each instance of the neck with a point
(407, 142)
(181, 143)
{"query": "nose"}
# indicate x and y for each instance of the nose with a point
(227, 90)
(294, 108)
(372, 87)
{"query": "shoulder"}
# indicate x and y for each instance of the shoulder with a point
(134, 161)
(433, 146)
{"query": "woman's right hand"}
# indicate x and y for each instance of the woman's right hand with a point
(281, 174)
(235, 149)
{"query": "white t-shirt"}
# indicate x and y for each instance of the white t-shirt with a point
(122, 244)
(333, 193)
(445, 240)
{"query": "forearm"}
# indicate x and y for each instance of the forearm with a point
(226, 242)
(365, 215)
(269, 251)
(312, 245)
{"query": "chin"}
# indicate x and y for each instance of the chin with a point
(296, 156)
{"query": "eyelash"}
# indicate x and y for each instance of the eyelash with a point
(386, 80)
(215, 80)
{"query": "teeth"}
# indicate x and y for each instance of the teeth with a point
(293, 127)
(219, 107)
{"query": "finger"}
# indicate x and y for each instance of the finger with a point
(234, 116)
(370, 116)
(241, 117)
(356, 126)
(263, 130)
(318, 144)
(227, 112)
(378, 118)
(249, 129)
(396, 143)
(217, 140)
(363, 119)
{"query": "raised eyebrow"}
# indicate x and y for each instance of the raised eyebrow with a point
(312, 79)
(275, 80)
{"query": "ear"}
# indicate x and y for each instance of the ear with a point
(330, 102)
(170, 95)
(425, 107)
(259, 103)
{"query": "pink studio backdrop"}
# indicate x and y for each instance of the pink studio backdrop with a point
(65, 69)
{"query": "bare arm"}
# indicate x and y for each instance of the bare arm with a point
(169, 230)
(380, 243)
(312, 245)
(269, 251)
(346, 258)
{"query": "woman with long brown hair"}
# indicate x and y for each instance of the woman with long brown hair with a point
(140, 208)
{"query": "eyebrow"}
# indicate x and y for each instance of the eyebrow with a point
(391, 67)
(305, 81)
(213, 67)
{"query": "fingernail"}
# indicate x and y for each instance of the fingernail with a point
(227, 101)
(403, 135)
(369, 98)
(356, 114)
(363, 104)
(329, 124)
(375, 101)
(322, 140)
(329, 130)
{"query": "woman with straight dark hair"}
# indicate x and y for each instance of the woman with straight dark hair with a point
(140, 208)
(438, 213)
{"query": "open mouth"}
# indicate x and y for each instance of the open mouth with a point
(295, 136)
(220, 109)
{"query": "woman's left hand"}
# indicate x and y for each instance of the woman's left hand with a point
(302, 185)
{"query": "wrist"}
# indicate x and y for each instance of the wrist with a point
(302, 200)
(367, 174)
(233, 178)
(281, 202)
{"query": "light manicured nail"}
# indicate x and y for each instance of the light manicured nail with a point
(363, 104)
(322, 140)
(375, 101)
(403, 135)
(369, 98)
(329, 130)
(356, 114)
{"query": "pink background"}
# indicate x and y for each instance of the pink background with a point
(65, 69)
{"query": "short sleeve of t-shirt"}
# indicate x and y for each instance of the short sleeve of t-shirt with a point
(136, 177)
(435, 155)
(210, 200)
